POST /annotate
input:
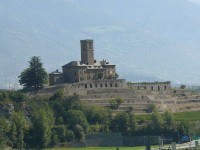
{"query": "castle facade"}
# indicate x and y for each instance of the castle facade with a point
(92, 74)
(86, 69)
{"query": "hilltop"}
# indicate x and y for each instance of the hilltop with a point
(138, 100)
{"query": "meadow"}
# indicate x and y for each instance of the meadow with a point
(186, 116)
(101, 148)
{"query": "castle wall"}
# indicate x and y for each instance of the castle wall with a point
(109, 71)
(55, 79)
(74, 74)
(152, 86)
(83, 86)
(96, 84)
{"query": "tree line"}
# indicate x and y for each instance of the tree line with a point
(38, 122)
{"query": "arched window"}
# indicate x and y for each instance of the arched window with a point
(96, 85)
(110, 84)
(158, 88)
(86, 86)
(101, 85)
(152, 88)
(165, 87)
(106, 85)
(115, 84)
(90, 85)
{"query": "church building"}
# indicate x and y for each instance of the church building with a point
(86, 69)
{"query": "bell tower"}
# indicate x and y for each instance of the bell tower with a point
(87, 51)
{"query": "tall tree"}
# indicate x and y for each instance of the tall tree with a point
(35, 75)
(120, 122)
(43, 121)
(18, 129)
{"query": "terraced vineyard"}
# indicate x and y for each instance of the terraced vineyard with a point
(140, 100)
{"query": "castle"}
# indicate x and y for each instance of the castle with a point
(86, 69)
(93, 74)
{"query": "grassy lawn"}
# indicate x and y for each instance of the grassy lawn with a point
(101, 148)
(186, 116)
(106, 148)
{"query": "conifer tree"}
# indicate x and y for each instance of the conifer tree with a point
(35, 75)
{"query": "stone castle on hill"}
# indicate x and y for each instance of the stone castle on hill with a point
(86, 69)
(93, 74)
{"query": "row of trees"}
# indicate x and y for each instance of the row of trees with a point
(42, 122)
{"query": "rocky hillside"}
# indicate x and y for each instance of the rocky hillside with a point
(138, 101)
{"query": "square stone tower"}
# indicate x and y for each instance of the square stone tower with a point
(87, 52)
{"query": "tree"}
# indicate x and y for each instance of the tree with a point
(35, 75)
(156, 122)
(121, 122)
(182, 86)
(18, 130)
(74, 117)
(169, 120)
(151, 108)
(96, 114)
(43, 121)
(4, 131)
(79, 133)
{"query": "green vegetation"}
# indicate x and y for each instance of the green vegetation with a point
(101, 148)
(115, 103)
(187, 116)
(40, 122)
(35, 75)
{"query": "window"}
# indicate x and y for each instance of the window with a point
(101, 85)
(152, 88)
(158, 88)
(90, 85)
(110, 84)
(96, 85)
(106, 85)
(86, 86)
(90, 45)
(115, 84)
(165, 87)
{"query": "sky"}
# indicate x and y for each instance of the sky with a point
(147, 40)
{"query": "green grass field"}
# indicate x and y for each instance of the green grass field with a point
(186, 116)
(101, 148)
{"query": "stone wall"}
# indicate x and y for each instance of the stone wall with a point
(83, 86)
(95, 86)
(152, 86)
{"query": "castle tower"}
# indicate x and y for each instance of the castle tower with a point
(87, 52)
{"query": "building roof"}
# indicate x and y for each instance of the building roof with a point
(56, 72)
(97, 64)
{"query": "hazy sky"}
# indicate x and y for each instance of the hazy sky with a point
(148, 40)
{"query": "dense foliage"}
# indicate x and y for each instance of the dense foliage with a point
(35, 75)
(39, 122)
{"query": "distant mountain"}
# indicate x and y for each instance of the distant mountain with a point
(147, 40)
